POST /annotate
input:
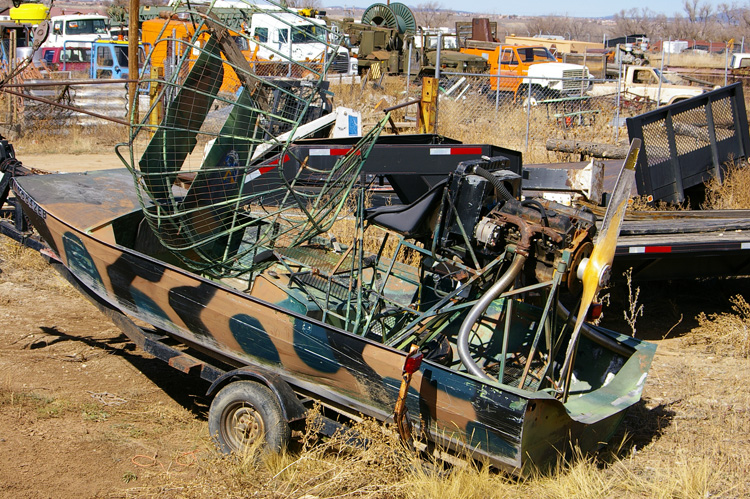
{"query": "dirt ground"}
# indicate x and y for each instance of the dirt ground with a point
(70, 162)
(83, 413)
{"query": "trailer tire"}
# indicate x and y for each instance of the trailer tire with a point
(245, 414)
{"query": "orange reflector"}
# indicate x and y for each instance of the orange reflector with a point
(595, 311)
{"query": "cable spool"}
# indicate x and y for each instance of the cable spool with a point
(404, 17)
(378, 14)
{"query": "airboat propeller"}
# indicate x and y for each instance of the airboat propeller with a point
(594, 272)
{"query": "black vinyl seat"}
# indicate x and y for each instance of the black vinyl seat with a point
(409, 220)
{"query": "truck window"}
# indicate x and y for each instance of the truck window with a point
(86, 27)
(644, 76)
(261, 34)
(526, 54)
(76, 55)
(304, 34)
(122, 55)
(535, 54)
(57, 28)
(450, 42)
(241, 43)
(103, 56)
(543, 54)
(83, 54)
(509, 57)
(745, 62)
(283, 35)
(49, 56)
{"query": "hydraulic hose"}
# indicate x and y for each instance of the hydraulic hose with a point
(500, 189)
(462, 342)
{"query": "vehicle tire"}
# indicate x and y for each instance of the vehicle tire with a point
(536, 95)
(244, 412)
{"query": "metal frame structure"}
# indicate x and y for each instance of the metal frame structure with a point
(689, 142)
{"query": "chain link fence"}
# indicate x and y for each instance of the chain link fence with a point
(524, 112)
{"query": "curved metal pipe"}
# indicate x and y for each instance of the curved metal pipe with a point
(462, 341)
(597, 337)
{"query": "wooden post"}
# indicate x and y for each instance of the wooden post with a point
(156, 114)
(428, 107)
(11, 69)
(133, 37)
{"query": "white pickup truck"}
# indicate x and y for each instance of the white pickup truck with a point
(647, 83)
(270, 40)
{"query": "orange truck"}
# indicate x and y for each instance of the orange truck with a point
(530, 71)
(171, 38)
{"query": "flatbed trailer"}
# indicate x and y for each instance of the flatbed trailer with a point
(690, 244)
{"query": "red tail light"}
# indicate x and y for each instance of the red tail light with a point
(412, 363)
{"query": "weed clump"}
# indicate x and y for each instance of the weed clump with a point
(733, 193)
(726, 333)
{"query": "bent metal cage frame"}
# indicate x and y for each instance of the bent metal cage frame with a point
(242, 109)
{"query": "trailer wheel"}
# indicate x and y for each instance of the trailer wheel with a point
(246, 413)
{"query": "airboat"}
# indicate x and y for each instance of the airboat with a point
(445, 314)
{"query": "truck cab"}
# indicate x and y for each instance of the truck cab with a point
(77, 28)
(740, 60)
(110, 59)
(277, 36)
(67, 58)
(521, 67)
(645, 82)
(451, 58)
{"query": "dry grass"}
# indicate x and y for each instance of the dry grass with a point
(725, 333)
(385, 469)
(733, 193)
(22, 264)
(51, 138)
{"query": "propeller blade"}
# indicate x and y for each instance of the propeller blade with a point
(596, 270)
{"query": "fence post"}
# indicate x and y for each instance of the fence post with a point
(528, 114)
(661, 74)
(497, 85)
(133, 26)
(155, 104)
(437, 79)
(11, 70)
(618, 100)
(427, 117)
(408, 75)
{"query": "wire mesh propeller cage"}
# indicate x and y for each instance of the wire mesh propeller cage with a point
(211, 173)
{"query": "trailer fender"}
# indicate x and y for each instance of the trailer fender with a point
(291, 407)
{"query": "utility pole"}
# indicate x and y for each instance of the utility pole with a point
(133, 54)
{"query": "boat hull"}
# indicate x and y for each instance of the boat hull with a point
(509, 426)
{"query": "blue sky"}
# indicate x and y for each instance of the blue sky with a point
(574, 8)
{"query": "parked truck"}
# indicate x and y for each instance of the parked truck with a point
(77, 28)
(530, 73)
(110, 59)
(300, 38)
(68, 45)
(646, 83)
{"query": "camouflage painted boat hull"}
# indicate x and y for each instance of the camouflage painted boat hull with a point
(92, 221)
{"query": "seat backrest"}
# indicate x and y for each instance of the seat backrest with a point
(408, 220)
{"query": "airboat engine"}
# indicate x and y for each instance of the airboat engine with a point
(485, 207)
